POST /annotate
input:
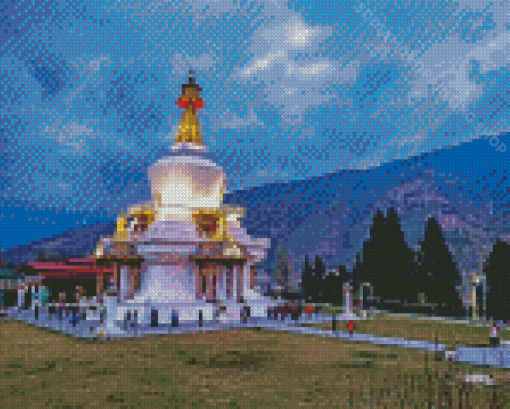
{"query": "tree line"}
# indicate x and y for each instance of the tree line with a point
(400, 274)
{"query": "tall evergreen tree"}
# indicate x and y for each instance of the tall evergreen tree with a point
(497, 271)
(319, 267)
(313, 280)
(438, 274)
(308, 282)
(343, 273)
(333, 283)
(387, 262)
(319, 271)
(357, 268)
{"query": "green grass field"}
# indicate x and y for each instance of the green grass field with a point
(229, 369)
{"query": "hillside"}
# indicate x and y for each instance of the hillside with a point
(331, 214)
(77, 242)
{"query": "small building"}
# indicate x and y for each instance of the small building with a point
(10, 279)
(65, 276)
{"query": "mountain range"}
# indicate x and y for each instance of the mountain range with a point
(464, 187)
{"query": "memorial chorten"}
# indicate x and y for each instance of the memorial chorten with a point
(183, 257)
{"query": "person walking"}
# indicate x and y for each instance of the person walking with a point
(494, 334)
(351, 326)
(62, 304)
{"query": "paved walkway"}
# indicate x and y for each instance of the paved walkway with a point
(472, 322)
(493, 356)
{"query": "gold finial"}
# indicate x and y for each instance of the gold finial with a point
(189, 129)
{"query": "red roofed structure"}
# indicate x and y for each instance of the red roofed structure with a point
(96, 275)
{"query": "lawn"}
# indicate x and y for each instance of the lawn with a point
(245, 368)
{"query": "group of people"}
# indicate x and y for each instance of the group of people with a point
(350, 324)
(73, 313)
(494, 337)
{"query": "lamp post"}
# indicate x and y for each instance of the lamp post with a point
(475, 280)
(362, 296)
(348, 304)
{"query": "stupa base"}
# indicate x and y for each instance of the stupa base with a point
(141, 312)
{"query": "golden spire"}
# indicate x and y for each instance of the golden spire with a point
(189, 129)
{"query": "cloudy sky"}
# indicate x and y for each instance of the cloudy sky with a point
(292, 90)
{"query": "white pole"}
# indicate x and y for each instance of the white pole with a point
(21, 298)
(348, 307)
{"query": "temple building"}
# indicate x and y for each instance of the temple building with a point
(183, 256)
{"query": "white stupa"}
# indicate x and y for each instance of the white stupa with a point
(183, 257)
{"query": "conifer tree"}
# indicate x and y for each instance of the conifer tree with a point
(343, 274)
(497, 271)
(313, 280)
(357, 268)
(333, 284)
(319, 272)
(308, 282)
(438, 273)
(387, 262)
(319, 267)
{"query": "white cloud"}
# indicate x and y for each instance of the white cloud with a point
(264, 62)
(70, 137)
(286, 33)
(262, 173)
(273, 47)
(87, 70)
(290, 29)
(297, 34)
(236, 122)
(452, 76)
(81, 138)
(288, 84)
(446, 64)
(73, 137)
(293, 86)
(312, 69)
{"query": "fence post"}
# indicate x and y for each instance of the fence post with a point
(175, 318)
(154, 318)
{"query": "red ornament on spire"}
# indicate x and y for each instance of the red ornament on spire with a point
(190, 102)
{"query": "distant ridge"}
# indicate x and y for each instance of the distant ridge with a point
(79, 242)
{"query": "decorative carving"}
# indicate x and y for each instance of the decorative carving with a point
(232, 249)
(137, 220)
(142, 219)
(212, 224)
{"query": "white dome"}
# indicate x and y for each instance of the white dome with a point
(189, 181)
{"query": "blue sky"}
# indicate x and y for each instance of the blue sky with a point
(292, 90)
